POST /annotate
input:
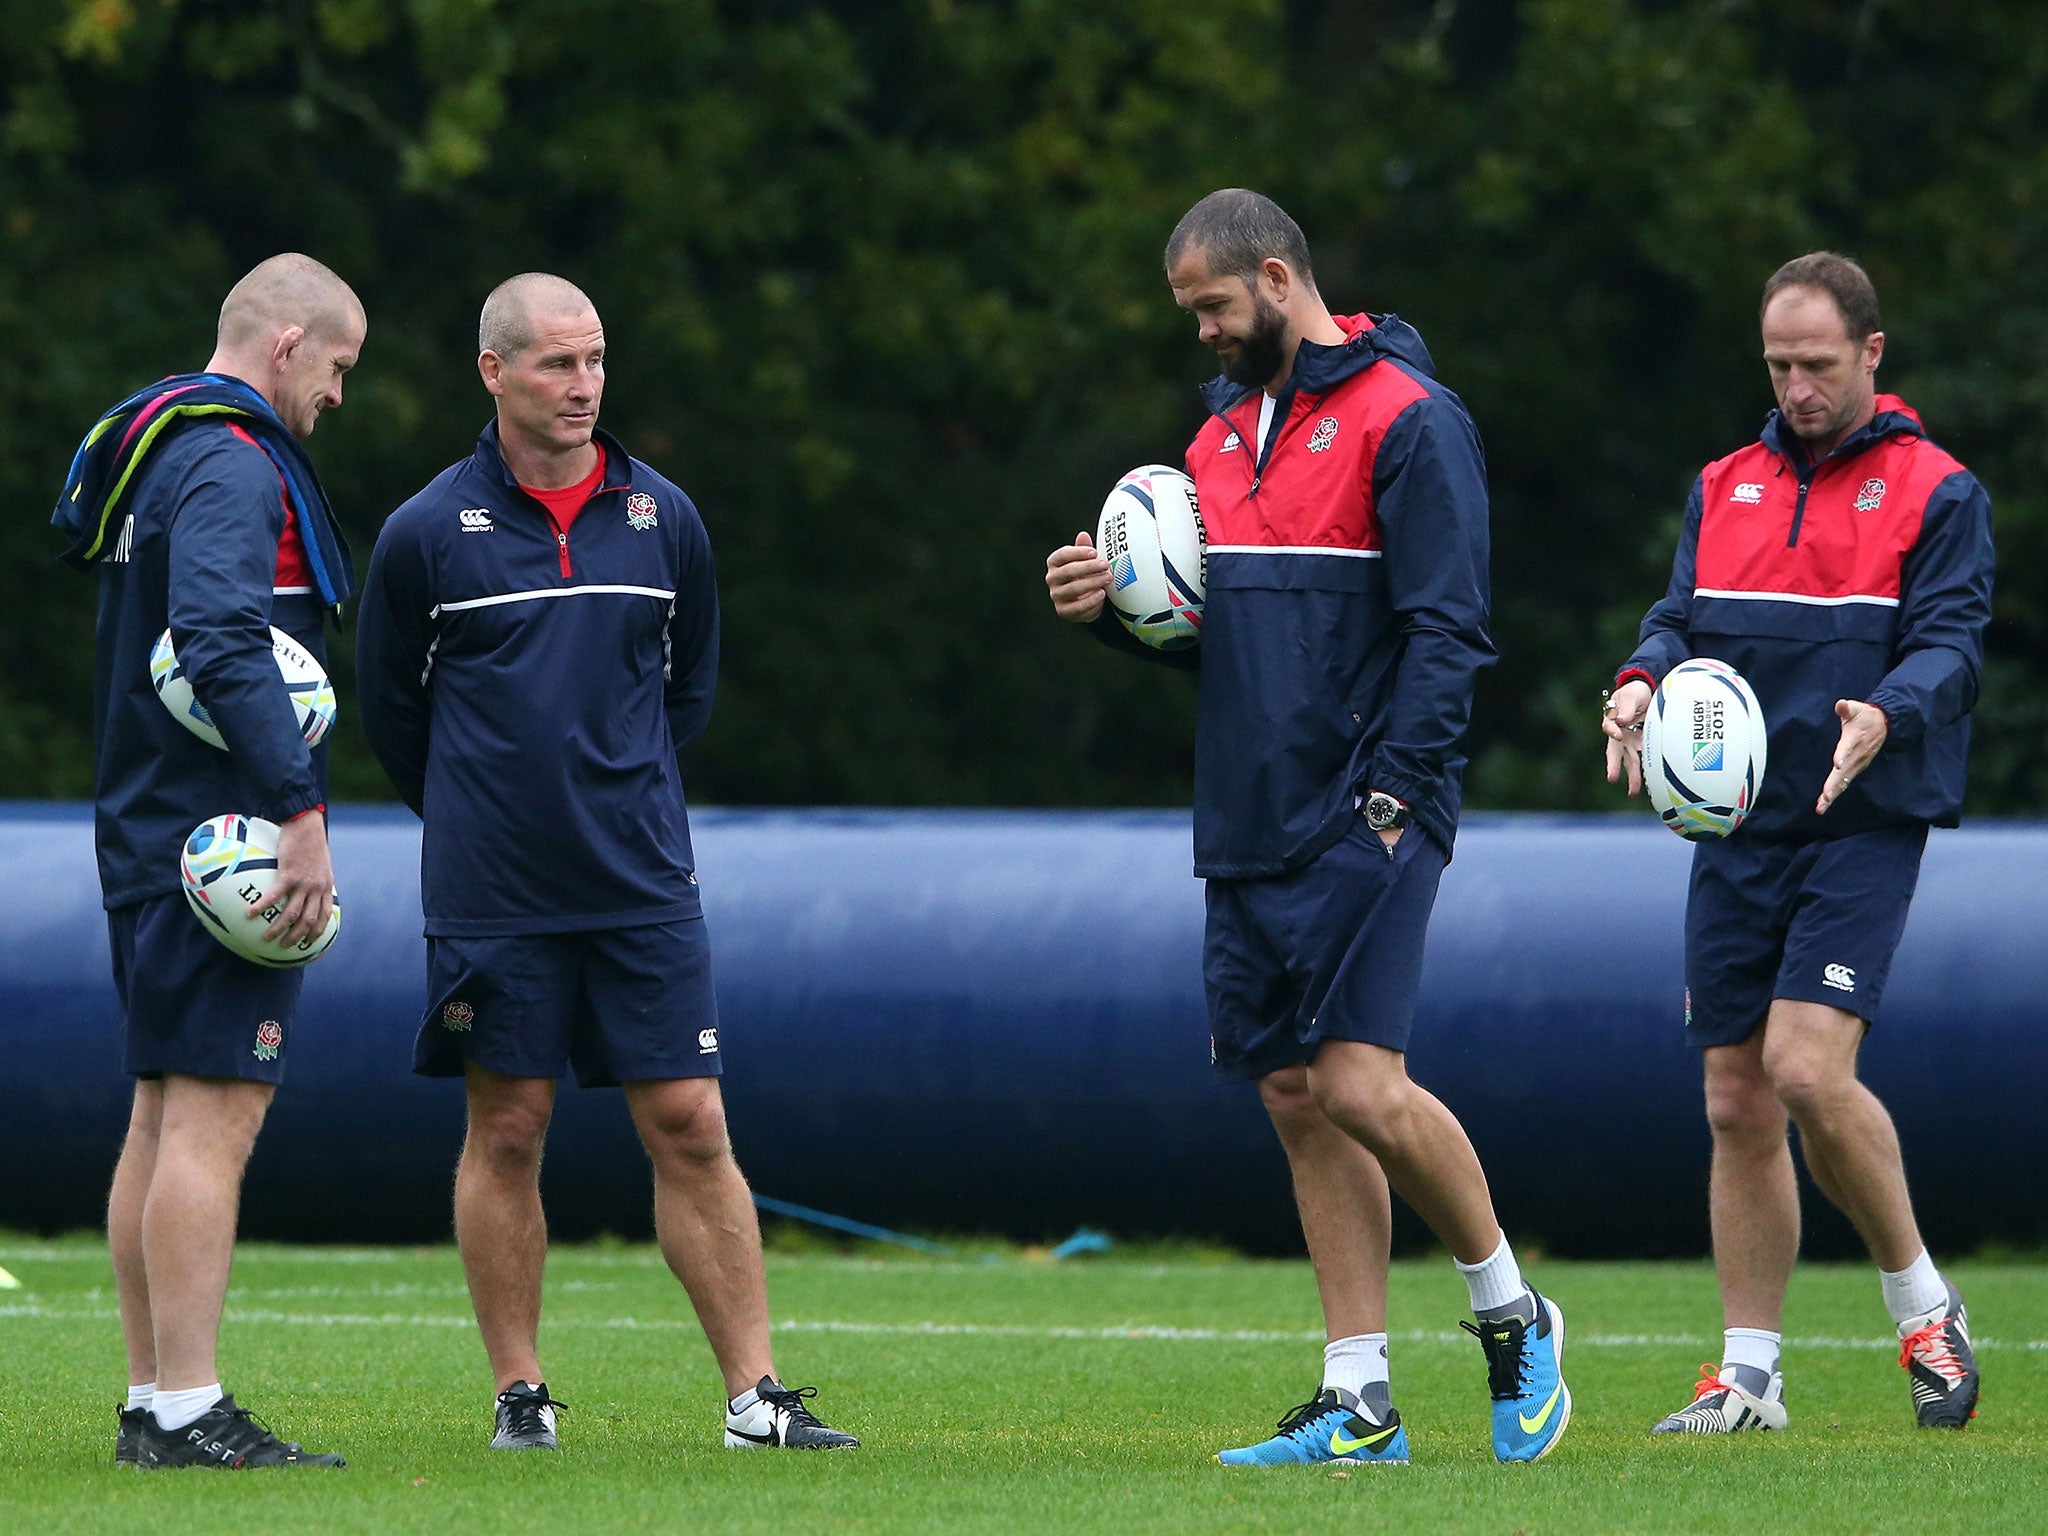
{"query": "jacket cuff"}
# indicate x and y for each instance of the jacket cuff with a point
(1631, 674)
(1899, 722)
(1402, 788)
(293, 804)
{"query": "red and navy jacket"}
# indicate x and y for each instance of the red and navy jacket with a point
(200, 544)
(527, 693)
(1866, 576)
(1346, 608)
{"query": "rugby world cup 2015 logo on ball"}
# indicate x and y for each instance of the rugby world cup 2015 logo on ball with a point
(1704, 748)
(230, 862)
(1150, 532)
(305, 683)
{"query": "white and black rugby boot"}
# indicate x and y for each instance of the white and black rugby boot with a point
(1721, 1406)
(774, 1415)
(526, 1419)
(1935, 1350)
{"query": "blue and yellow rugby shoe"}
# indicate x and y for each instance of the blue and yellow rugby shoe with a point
(1525, 1374)
(1331, 1426)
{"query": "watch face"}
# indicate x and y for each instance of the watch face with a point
(1381, 811)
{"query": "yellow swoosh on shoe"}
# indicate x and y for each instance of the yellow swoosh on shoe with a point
(1531, 1426)
(1342, 1445)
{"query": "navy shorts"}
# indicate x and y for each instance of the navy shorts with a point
(192, 1007)
(621, 1005)
(1331, 951)
(1815, 922)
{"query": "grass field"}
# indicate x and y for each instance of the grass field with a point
(1003, 1396)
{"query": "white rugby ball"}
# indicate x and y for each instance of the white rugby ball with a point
(1151, 534)
(305, 680)
(1704, 748)
(227, 863)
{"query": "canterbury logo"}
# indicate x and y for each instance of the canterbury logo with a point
(1531, 1426)
(1840, 977)
(476, 520)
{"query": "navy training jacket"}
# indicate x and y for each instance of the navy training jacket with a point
(527, 694)
(1344, 628)
(1867, 577)
(197, 553)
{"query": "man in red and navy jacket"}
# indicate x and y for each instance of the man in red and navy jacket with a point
(539, 639)
(1343, 493)
(1843, 565)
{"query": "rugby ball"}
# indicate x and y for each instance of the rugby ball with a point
(1704, 747)
(305, 680)
(1151, 534)
(229, 862)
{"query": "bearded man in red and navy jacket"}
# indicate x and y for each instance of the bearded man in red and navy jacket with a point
(1843, 565)
(1343, 492)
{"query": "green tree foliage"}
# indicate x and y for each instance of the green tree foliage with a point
(882, 286)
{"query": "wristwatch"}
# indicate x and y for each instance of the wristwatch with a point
(1383, 813)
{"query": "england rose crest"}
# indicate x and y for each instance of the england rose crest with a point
(1871, 496)
(640, 510)
(458, 1015)
(1324, 434)
(269, 1040)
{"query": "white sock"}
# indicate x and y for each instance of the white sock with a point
(140, 1396)
(1915, 1290)
(1755, 1349)
(174, 1410)
(1355, 1363)
(744, 1401)
(1494, 1282)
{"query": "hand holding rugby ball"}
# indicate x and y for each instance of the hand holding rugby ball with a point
(1704, 747)
(1150, 532)
(230, 862)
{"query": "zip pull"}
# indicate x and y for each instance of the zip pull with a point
(562, 542)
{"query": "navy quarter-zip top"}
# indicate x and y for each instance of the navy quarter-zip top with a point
(529, 704)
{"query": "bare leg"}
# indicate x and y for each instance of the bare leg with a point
(1753, 1191)
(1810, 1053)
(124, 1228)
(705, 1221)
(206, 1131)
(1428, 1159)
(1346, 1215)
(499, 1225)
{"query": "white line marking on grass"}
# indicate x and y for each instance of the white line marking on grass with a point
(1113, 1333)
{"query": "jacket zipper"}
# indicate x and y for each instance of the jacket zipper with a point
(1259, 453)
(562, 544)
(1798, 511)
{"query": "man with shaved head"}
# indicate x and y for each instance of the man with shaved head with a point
(198, 508)
(539, 639)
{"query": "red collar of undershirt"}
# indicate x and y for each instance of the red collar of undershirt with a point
(564, 504)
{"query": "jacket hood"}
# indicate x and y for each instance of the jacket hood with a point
(104, 468)
(1893, 416)
(1318, 368)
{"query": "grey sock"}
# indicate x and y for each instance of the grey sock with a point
(1377, 1400)
(1753, 1379)
(1523, 1307)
